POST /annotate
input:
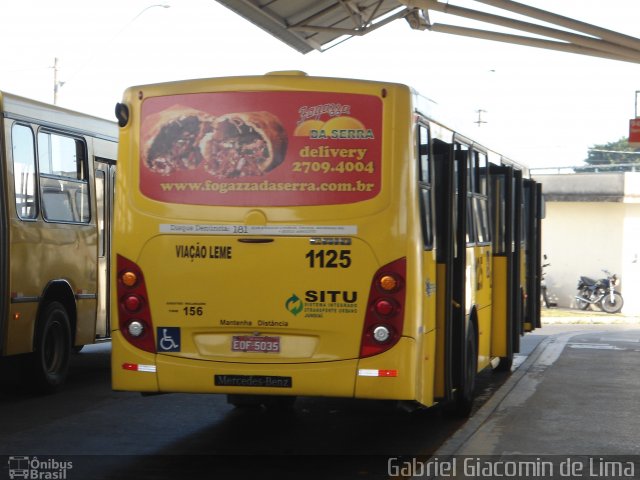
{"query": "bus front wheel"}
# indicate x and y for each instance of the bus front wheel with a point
(52, 348)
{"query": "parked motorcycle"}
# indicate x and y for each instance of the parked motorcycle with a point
(600, 293)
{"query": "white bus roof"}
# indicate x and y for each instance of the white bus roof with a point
(20, 108)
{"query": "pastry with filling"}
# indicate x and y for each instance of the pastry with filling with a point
(171, 139)
(244, 144)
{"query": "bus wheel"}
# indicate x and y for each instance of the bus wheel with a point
(504, 364)
(245, 401)
(465, 393)
(52, 348)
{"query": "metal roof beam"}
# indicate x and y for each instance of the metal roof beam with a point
(566, 22)
(598, 42)
(529, 42)
(306, 25)
(346, 31)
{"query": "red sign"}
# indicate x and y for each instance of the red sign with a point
(634, 130)
(261, 148)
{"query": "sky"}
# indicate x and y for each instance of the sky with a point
(542, 108)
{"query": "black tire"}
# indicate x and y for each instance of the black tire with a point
(505, 364)
(51, 349)
(582, 304)
(245, 401)
(463, 402)
(612, 307)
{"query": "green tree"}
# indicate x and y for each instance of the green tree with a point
(618, 155)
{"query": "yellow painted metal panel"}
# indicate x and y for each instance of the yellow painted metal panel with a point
(499, 333)
(401, 358)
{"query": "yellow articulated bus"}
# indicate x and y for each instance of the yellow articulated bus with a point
(56, 171)
(283, 235)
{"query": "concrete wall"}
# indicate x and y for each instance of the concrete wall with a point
(630, 259)
(592, 223)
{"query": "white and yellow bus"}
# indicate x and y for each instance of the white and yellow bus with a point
(283, 235)
(56, 173)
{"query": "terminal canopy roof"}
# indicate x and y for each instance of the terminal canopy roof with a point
(308, 25)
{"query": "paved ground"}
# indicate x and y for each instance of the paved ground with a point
(573, 402)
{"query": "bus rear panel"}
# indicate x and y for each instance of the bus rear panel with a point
(286, 235)
(254, 237)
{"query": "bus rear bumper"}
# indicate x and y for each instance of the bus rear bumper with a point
(132, 369)
(390, 375)
(334, 379)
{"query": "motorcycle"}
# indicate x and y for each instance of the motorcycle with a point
(600, 293)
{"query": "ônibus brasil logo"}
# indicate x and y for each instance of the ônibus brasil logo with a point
(294, 304)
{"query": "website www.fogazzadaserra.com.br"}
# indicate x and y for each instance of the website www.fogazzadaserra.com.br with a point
(267, 186)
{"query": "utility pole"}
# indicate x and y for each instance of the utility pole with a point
(56, 84)
(480, 121)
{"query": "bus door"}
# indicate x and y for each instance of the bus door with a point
(429, 273)
(518, 266)
(444, 217)
(105, 177)
(4, 252)
(461, 236)
(533, 251)
(506, 301)
(450, 165)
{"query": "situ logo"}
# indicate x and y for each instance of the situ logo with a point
(330, 296)
(36, 469)
(295, 304)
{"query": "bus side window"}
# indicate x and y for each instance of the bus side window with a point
(498, 209)
(480, 205)
(56, 205)
(463, 155)
(24, 171)
(63, 178)
(426, 209)
(482, 173)
(423, 153)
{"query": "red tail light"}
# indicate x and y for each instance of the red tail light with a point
(134, 316)
(385, 309)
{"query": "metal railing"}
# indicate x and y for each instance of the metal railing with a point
(605, 168)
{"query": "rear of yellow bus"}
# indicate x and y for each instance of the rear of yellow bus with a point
(260, 239)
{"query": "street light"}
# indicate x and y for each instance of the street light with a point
(58, 84)
(136, 17)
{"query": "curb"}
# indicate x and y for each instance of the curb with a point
(458, 439)
(570, 316)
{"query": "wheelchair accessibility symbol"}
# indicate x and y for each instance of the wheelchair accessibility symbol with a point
(168, 339)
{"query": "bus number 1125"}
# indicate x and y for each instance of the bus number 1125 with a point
(329, 258)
